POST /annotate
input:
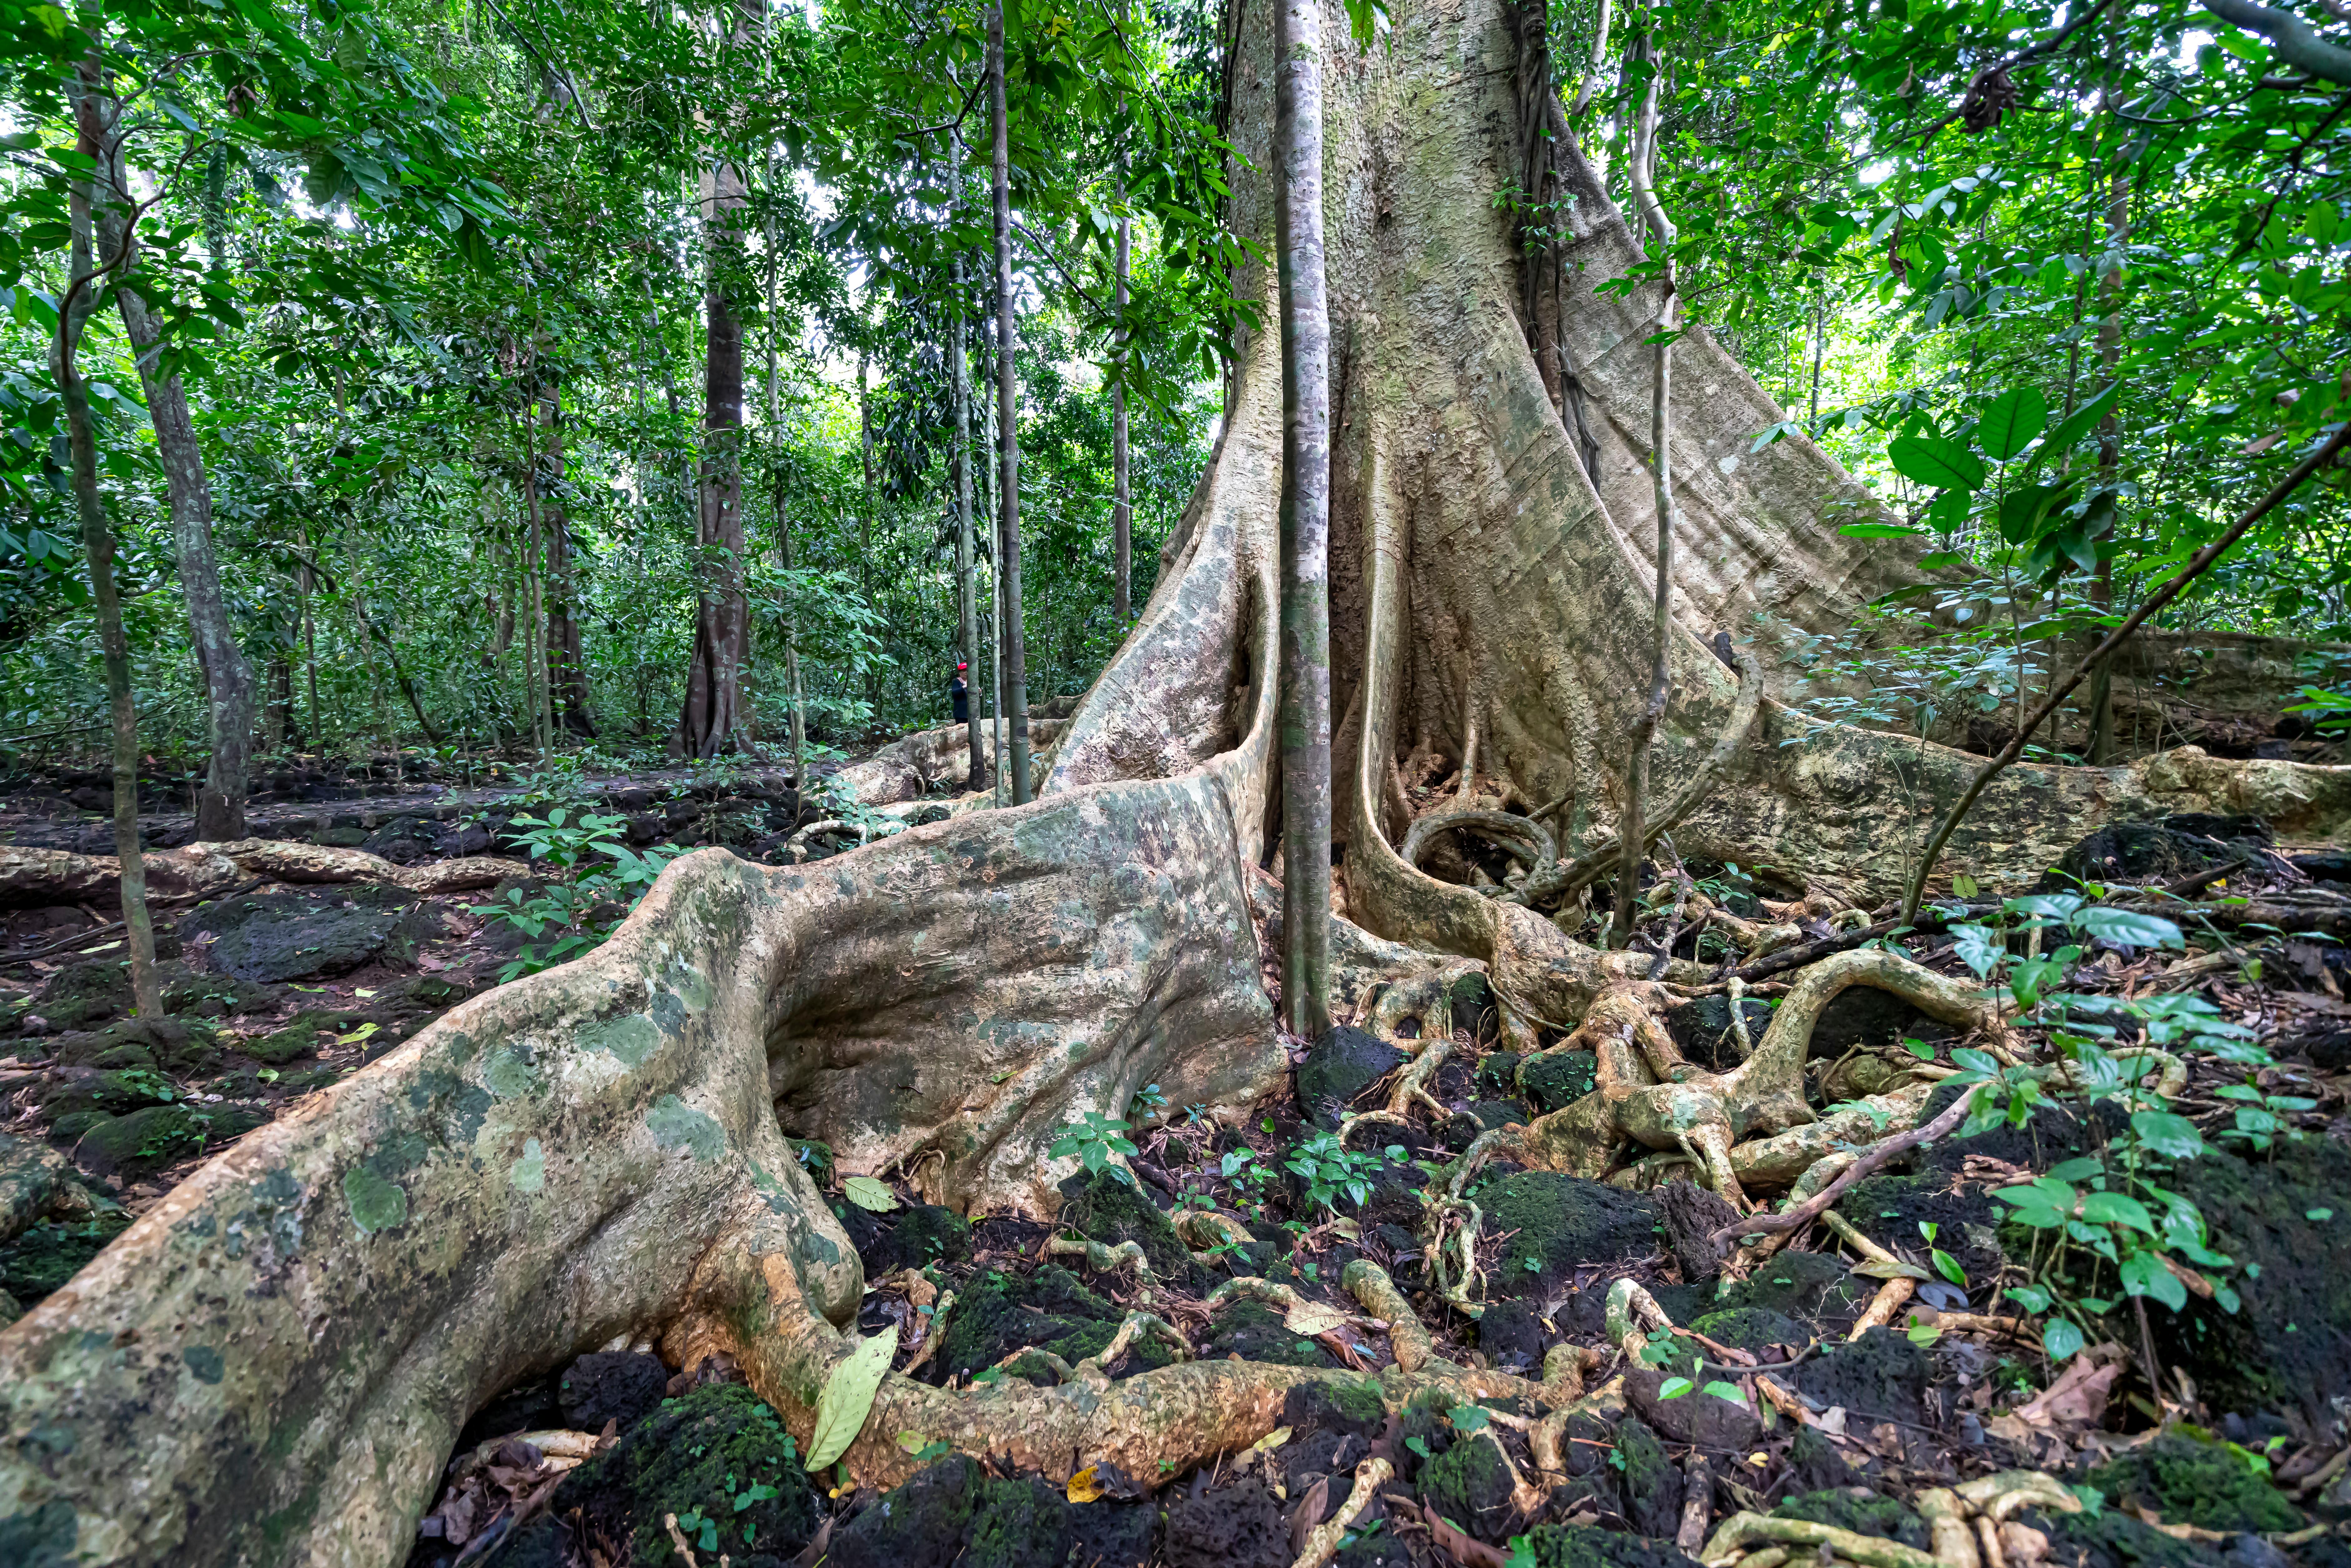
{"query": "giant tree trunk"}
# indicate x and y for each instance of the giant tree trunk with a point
(714, 680)
(271, 1365)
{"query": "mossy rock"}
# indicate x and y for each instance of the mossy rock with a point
(40, 1258)
(702, 1453)
(1888, 1209)
(215, 996)
(1470, 1485)
(1811, 1286)
(1110, 1206)
(1049, 1310)
(1343, 1064)
(1861, 1510)
(1881, 1377)
(81, 994)
(915, 1236)
(1753, 1328)
(2289, 1343)
(158, 1135)
(1587, 1546)
(1360, 1408)
(182, 1045)
(70, 1126)
(1701, 1029)
(2113, 1538)
(298, 1036)
(1652, 1487)
(1498, 1072)
(1558, 1079)
(1563, 1223)
(119, 1092)
(2190, 1482)
(1255, 1332)
(956, 1512)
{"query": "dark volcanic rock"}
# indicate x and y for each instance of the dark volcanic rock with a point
(1343, 1064)
(289, 936)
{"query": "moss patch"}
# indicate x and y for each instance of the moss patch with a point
(1558, 1078)
(1255, 1332)
(956, 1512)
(1585, 1546)
(1753, 1328)
(1862, 1511)
(708, 1451)
(1470, 1485)
(1050, 1310)
(1563, 1223)
(45, 1257)
(1111, 1208)
(2202, 1484)
(158, 1135)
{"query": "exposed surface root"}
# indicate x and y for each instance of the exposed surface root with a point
(202, 871)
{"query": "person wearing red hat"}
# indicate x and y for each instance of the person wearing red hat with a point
(959, 693)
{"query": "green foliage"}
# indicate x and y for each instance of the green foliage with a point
(1093, 1139)
(1329, 1170)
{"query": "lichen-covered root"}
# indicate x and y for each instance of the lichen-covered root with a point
(1323, 1542)
(1735, 1532)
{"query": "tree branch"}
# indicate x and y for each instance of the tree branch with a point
(2290, 36)
(2115, 638)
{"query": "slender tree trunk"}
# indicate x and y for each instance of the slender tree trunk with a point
(94, 119)
(783, 520)
(1645, 731)
(1304, 716)
(1008, 435)
(228, 680)
(714, 688)
(967, 588)
(567, 666)
(1121, 506)
(2110, 443)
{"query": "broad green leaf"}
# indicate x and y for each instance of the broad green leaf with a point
(2174, 1137)
(2128, 927)
(2061, 1338)
(867, 1194)
(1674, 1387)
(2079, 422)
(2143, 1275)
(1931, 460)
(1722, 1390)
(848, 1397)
(2010, 421)
(1878, 532)
(2023, 509)
(2117, 1209)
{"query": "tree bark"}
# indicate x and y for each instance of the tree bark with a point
(228, 680)
(1305, 713)
(1007, 429)
(567, 664)
(94, 120)
(714, 684)
(966, 566)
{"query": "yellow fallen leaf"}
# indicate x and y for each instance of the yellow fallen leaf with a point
(1270, 1441)
(1084, 1488)
(1311, 1318)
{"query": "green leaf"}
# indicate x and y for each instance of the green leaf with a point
(848, 1397)
(2144, 1275)
(2061, 1339)
(2128, 927)
(1948, 1267)
(2114, 1208)
(874, 1196)
(1722, 1390)
(1674, 1387)
(2174, 1137)
(1931, 460)
(2010, 421)
(2079, 422)
(2023, 509)
(1878, 532)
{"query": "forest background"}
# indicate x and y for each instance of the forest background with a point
(439, 280)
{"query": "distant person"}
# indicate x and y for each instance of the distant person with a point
(959, 694)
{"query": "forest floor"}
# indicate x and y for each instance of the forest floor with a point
(2212, 1435)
